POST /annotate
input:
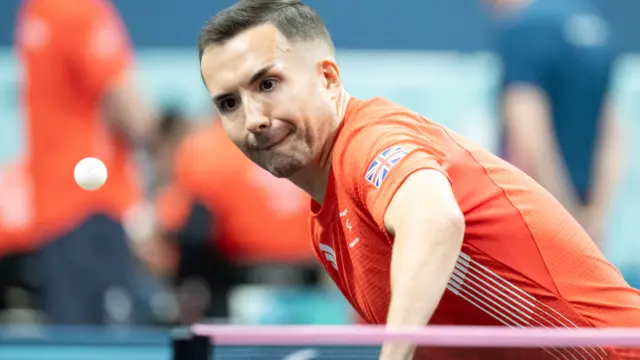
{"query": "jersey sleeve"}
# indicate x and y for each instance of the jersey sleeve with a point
(382, 156)
(95, 44)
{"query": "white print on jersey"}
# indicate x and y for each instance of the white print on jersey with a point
(349, 227)
(329, 255)
(502, 300)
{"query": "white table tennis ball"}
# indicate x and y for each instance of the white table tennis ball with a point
(90, 174)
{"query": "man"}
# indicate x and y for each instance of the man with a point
(230, 218)
(560, 126)
(79, 101)
(413, 222)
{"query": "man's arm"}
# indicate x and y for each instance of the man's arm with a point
(532, 143)
(428, 227)
(608, 170)
(125, 110)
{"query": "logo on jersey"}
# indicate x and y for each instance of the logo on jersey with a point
(382, 164)
(329, 255)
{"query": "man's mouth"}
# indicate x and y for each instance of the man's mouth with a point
(273, 143)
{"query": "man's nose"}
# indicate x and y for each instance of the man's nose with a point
(256, 119)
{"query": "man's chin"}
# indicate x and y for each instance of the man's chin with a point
(283, 167)
(283, 171)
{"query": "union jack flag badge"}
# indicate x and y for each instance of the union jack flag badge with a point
(382, 164)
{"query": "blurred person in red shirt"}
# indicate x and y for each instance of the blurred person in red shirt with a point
(230, 216)
(79, 101)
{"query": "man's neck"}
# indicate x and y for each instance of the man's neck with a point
(315, 178)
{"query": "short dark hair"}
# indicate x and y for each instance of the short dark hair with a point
(292, 18)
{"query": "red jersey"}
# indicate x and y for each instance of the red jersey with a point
(524, 262)
(72, 52)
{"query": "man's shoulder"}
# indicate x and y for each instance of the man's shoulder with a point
(366, 124)
(539, 18)
(545, 17)
(362, 112)
(375, 135)
(66, 9)
(41, 21)
(376, 124)
(368, 120)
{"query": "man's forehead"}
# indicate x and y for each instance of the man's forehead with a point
(261, 38)
(248, 51)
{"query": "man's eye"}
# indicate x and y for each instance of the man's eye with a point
(228, 105)
(267, 85)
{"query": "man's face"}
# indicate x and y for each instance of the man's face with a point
(275, 98)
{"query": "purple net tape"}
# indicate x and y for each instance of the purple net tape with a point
(454, 336)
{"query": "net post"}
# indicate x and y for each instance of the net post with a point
(189, 346)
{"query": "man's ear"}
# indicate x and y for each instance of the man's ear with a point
(331, 74)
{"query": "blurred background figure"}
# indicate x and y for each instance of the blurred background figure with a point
(560, 125)
(79, 101)
(231, 223)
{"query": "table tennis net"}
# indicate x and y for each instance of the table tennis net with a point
(434, 343)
